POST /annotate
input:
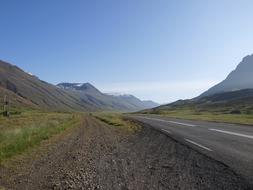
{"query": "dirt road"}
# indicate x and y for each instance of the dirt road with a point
(98, 156)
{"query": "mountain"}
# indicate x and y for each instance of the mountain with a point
(25, 90)
(150, 104)
(240, 78)
(30, 91)
(87, 87)
(238, 95)
(234, 93)
(132, 100)
(15, 100)
(113, 101)
(240, 101)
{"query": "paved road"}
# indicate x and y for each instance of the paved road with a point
(229, 143)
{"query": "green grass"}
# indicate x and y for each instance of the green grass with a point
(117, 120)
(208, 116)
(20, 133)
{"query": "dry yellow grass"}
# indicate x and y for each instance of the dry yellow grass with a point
(246, 119)
(22, 132)
(117, 120)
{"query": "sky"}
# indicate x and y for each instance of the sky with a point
(160, 50)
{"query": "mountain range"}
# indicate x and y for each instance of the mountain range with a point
(26, 90)
(122, 102)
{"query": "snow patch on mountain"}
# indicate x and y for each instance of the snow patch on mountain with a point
(118, 94)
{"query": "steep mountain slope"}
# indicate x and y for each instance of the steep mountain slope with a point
(38, 93)
(16, 101)
(240, 78)
(244, 94)
(236, 102)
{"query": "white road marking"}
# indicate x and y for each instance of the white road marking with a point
(199, 145)
(186, 124)
(232, 133)
(166, 131)
(174, 122)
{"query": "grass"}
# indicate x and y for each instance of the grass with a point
(243, 118)
(117, 120)
(19, 133)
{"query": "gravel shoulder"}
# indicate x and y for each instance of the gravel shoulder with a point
(99, 156)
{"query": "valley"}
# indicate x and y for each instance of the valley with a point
(73, 136)
(126, 95)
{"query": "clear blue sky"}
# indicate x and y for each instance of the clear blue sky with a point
(155, 49)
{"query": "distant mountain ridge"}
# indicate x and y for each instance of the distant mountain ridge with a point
(26, 90)
(77, 86)
(240, 78)
(126, 101)
(145, 104)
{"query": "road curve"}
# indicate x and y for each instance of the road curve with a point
(230, 144)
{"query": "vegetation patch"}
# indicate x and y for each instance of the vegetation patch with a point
(20, 133)
(230, 117)
(117, 120)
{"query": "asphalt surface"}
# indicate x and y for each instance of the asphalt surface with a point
(230, 144)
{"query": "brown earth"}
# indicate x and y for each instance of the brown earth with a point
(98, 156)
